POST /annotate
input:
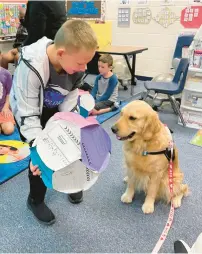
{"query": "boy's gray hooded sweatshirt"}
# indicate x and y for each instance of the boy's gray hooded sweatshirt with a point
(30, 79)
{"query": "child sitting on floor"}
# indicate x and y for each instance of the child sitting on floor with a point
(6, 117)
(105, 90)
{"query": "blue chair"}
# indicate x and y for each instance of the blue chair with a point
(182, 41)
(171, 88)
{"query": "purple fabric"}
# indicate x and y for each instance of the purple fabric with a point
(5, 85)
(95, 147)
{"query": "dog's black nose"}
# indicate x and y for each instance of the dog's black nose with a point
(114, 129)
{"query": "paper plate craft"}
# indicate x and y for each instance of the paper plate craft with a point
(71, 152)
(78, 100)
(86, 104)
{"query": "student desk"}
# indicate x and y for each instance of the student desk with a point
(125, 51)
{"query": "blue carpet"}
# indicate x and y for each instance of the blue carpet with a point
(102, 223)
(10, 169)
(104, 117)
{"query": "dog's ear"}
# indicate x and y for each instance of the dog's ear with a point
(152, 126)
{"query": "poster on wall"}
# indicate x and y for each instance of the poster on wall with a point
(195, 1)
(167, 2)
(124, 17)
(142, 16)
(103, 33)
(84, 9)
(191, 17)
(9, 20)
(166, 17)
(142, 2)
(124, 1)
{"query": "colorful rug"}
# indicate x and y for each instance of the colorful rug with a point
(197, 139)
(14, 156)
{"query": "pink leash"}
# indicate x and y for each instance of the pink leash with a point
(172, 209)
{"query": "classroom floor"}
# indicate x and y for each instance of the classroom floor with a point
(101, 223)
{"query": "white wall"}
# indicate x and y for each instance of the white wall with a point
(160, 41)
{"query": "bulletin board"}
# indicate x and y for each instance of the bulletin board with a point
(9, 20)
(103, 33)
(84, 9)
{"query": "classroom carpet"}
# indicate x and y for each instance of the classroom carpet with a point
(101, 223)
(17, 161)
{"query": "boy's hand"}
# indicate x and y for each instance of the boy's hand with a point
(35, 170)
(6, 112)
(94, 112)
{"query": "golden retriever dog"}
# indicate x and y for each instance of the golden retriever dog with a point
(142, 131)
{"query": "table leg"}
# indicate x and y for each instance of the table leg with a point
(133, 81)
(132, 71)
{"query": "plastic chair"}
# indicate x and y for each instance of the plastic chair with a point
(182, 41)
(171, 88)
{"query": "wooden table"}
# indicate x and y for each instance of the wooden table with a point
(125, 51)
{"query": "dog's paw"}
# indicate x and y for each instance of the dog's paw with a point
(177, 201)
(125, 198)
(125, 180)
(148, 208)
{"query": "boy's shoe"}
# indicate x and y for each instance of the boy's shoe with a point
(181, 247)
(41, 212)
(76, 198)
(115, 106)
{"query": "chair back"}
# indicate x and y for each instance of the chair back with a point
(181, 74)
(183, 41)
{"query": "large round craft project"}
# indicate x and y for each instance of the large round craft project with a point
(71, 152)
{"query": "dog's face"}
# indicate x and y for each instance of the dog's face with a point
(137, 119)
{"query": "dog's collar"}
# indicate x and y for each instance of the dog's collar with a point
(166, 152)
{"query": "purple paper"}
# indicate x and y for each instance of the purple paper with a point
(95, 147)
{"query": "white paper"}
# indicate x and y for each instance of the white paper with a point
(195, 1)
(124, 1)
(59, 144)
(70, 101)
(87, 101)
(142, 2)
(166, 2)
(74, 178)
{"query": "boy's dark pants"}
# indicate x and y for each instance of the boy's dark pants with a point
(37, 187)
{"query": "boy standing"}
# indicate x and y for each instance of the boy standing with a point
(43, 18)
(105, 90)
(46, 72)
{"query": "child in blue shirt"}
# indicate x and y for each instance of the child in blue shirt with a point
(105, 90)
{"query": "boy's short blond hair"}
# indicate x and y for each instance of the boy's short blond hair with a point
(106, 58)
(76, 34)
